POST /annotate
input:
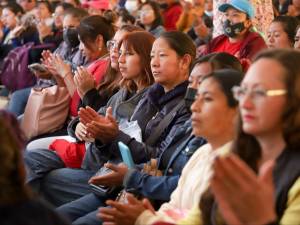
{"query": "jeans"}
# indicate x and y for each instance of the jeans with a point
(83, 211)
(47, 175)
(18, 101)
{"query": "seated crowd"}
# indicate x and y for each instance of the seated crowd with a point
(204, 94)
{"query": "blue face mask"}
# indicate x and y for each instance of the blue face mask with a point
(232, 30)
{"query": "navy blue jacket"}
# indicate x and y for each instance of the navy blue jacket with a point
(160, 188)
(149, 112)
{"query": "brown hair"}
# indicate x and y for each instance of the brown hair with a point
(245, 145)
(112, 77)
(12, 173)
(141, 42)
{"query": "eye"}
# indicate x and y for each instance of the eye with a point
(208, 99)
(259, 92)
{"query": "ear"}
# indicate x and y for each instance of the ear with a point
(100, 41)
(185, 62)
(248, 23)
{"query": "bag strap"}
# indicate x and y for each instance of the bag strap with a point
(163, 124)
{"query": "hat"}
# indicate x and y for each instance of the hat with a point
(241, 5)
(98, 4)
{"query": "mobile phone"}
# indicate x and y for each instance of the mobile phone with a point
(126, 155)
(37, 67)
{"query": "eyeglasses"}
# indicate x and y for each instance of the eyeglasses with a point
(111, 45)
(256, 94)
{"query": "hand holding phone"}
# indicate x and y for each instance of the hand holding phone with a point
(126, 155)
(37, 67)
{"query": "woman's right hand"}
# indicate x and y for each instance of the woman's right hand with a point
(243, 197)
(84, 81)
(81, 133)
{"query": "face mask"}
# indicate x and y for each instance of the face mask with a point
(232, 30)
(189, 97)
(70, 36)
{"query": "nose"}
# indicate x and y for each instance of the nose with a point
(196, 106)
(194, 83)
(297, 44)
(121, 58)
(81, 46)
(154, 62)
(271, 39)
(246, 102)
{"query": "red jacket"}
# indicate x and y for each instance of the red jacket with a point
(252, 44)
(171, 15)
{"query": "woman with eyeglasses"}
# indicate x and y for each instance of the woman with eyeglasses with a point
(150, 18)
(134, 64)
(213, 100)
(268, 133)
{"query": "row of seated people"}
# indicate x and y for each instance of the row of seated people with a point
(151, 79)
(225, 169)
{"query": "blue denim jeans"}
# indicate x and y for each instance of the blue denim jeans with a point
(18, 101)
(47, 175)
(83, 210)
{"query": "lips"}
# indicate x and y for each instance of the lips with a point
(155, 73)
(122, 69)
(248, 117)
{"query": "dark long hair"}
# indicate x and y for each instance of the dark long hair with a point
(12, 173)
(92, 26)
(245, 145)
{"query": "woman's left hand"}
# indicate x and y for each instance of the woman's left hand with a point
(124, 214)
(105, 130)
(115, 178)
(243, 197)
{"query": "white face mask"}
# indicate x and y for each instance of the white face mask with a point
(209, 13)
(131, 6)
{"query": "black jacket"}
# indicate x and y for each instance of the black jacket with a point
(149, 112)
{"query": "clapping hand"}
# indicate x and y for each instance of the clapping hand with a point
(243, 197)
(84, 81)
(124, 214)
(115, 178)
(102, 128)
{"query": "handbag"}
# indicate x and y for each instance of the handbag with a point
(46, 111)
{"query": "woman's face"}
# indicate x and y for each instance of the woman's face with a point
(129, 64)
(113, 48)
(92, 49)
(277, 37)
(58, 17)
(9, 19)
(43, 12)
(147, 15)
(211, 115)
(167, 67)
(261, 114)
(198, 72)
(297, 40)
(235, 16)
